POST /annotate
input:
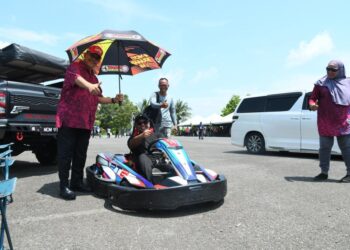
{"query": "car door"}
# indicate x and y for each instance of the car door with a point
(309, 130)
(281, 121)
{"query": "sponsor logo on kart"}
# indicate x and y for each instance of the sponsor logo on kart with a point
(122, 173)
(115, 68)
(171, 142)
(160, 55)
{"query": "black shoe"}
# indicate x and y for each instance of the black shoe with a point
(67, 194)
(81, 188)
(321, 177)
(345, 179)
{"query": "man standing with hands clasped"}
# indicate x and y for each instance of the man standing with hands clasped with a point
(75, 119)
(167, 116)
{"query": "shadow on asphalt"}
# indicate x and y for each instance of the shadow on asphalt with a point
(306, 179)
(182, 211)
(52, 189)
(22, 169)
(282, 154)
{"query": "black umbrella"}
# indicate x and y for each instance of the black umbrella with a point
(124, 53)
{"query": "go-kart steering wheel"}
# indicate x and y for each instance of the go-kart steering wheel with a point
(151, 144)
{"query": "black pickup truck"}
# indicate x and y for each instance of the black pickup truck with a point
(27, 102)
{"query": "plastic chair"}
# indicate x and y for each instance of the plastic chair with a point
(7, 187)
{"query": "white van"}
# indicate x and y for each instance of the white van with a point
(279, 122)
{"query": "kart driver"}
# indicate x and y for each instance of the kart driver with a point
(138, 142)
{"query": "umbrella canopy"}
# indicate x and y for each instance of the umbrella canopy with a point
(124, 53)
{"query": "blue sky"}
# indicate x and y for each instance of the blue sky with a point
(219, 48)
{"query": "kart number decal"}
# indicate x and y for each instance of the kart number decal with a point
(122, 173)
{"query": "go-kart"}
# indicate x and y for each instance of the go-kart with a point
(176, 180)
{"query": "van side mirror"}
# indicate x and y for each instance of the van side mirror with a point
(234, 118)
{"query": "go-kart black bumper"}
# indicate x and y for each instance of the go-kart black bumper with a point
(130, 198)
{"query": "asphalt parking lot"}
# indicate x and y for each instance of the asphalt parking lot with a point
(271, 203)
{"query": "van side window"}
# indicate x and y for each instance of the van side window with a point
(306, 101)
(253, 104)
(281, 102)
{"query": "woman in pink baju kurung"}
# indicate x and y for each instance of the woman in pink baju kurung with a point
(331, 98)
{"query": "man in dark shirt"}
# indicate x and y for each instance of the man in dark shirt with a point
(138, 143)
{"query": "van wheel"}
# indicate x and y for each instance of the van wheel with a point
(255, 143)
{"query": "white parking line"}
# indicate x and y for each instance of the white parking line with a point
(58, 216)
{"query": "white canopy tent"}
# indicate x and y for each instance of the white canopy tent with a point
(192, 121)
(224, 120)
(213, 119)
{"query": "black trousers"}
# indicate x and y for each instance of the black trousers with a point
(144, 164)
(72, 145)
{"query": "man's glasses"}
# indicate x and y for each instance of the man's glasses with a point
(96, 57)
(331, 69)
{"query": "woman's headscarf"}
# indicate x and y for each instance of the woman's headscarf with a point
(339, 87)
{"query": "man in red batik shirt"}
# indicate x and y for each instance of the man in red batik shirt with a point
(75, 118)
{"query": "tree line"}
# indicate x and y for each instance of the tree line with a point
(119, 118)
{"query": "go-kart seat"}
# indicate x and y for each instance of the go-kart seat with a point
(126, 159)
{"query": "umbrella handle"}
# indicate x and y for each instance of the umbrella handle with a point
(118, 43)
(119, 77)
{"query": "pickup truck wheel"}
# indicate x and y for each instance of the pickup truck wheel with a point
(255, 143)
(47, 155)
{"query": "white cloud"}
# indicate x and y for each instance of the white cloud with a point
(20, 35)
(3, 44)
(321, 44)
(204, 75)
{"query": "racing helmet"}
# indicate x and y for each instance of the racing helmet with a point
(138, 118)
(141, 117)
